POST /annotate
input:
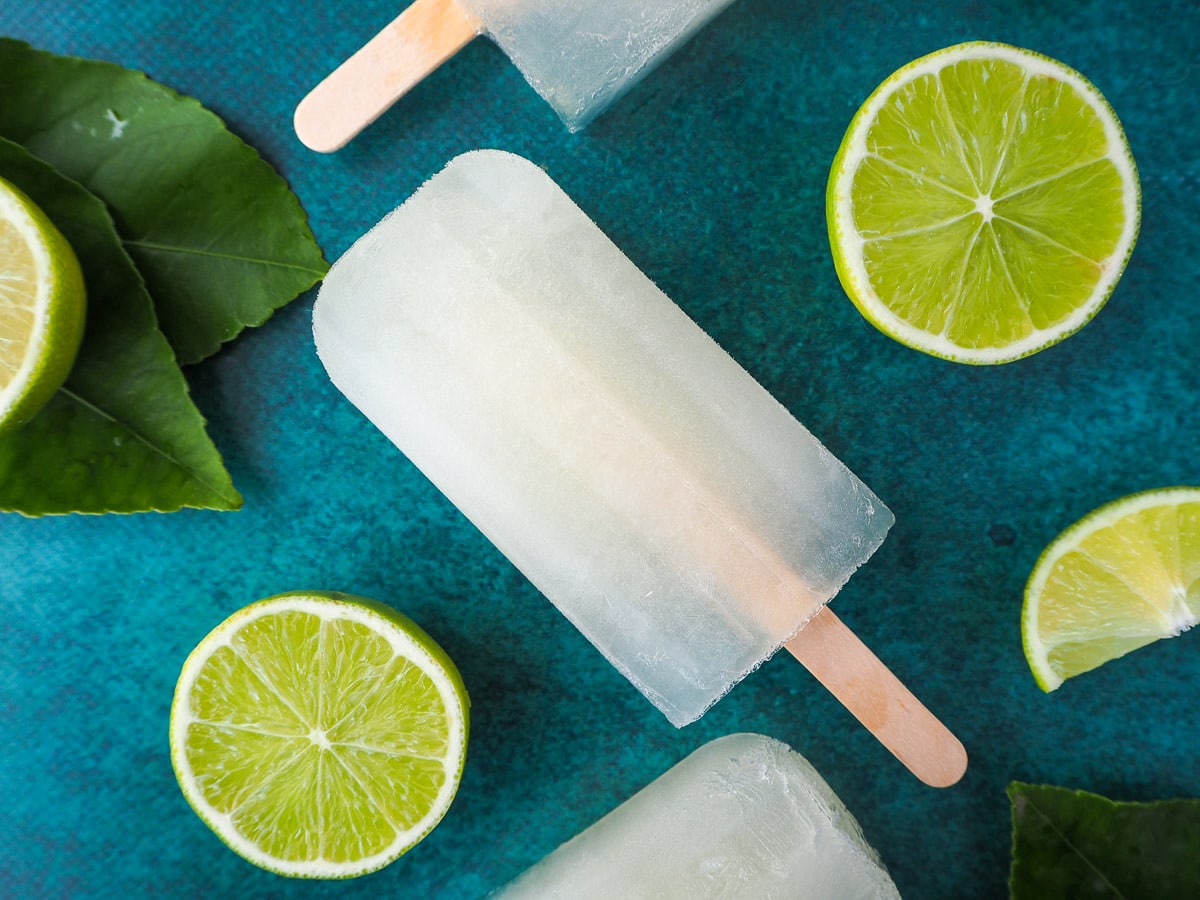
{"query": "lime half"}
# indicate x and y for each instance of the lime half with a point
(1122, 577)
(42, 308)
(983, 203)
(320, 735)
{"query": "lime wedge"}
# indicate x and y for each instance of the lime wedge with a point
(319, 735)
(983, 203)
(1122, 577)
(42, 308)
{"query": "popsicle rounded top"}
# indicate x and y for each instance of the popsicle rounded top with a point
(742, 816)
(667, 504)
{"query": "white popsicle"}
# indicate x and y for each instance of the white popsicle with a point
(674, 511)
(580, 55)
(743, 816)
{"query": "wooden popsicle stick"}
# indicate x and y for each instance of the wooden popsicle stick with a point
(362, 88)
(865, 686)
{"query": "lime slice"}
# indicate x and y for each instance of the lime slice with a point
(982, 204)
(1122, 577)
(41, 308)
(319, 735)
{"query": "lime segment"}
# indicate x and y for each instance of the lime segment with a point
(42, 308)
(983, 203)
(1124, 576)
(319, 735)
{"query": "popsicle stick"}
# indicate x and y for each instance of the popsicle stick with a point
(362, 88)
(866, 687)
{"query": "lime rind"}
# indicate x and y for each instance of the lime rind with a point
(407, 641)
(933, 335)
(1170, 602)
(59, 311)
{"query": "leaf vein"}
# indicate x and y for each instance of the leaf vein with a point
(149, 444)
(1078, 852)
(194, 251)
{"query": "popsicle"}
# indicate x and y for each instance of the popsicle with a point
(743, 816)
(580, 55)
(641, 479)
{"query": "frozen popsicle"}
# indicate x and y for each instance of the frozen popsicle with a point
(743, 816)
(580, 55)
(671, 508)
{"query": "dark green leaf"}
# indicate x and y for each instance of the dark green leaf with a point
(1072, 844)
(122, 435)
(219, 238)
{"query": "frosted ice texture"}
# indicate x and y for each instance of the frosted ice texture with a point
(581, 55)
(745, 816)
(671, 508)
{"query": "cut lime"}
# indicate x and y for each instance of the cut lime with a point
(319, 735)
(983, 203)
(41, 308)
(1122, 577)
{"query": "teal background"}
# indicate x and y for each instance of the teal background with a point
(711, 177)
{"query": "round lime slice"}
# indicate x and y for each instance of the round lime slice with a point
(319, 735)
(42, 307)
(983, 203)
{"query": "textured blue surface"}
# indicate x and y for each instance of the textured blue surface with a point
(711, 177)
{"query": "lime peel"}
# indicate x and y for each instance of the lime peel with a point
(848, 242)
(348, 727)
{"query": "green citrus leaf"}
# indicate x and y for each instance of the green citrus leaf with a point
(122, 435)
(220, 239)
(1069, 843)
